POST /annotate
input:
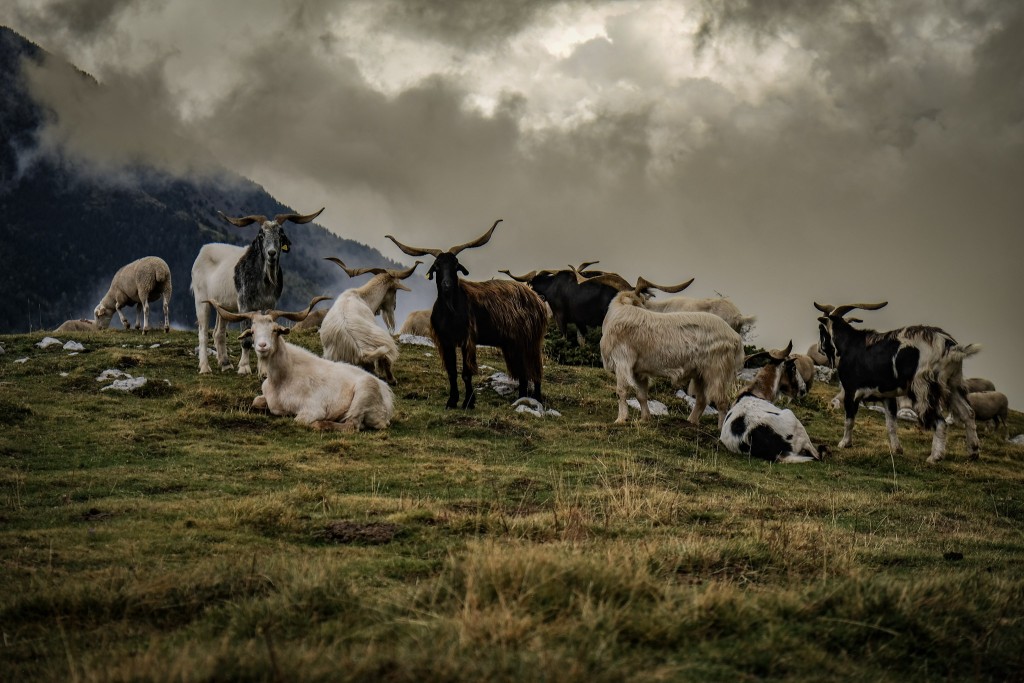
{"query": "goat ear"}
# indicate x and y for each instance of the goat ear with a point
(286, 243)
(245, 335)
(823, 320)
(430, 273)
(281, 329)
(462, 269)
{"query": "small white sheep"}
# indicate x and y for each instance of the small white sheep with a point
(138, 283)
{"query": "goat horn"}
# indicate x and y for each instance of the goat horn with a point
(297, 316)
(478, 242)
(824, 308)
(353, 272)
(782, 354)
(642, 284)
(296, 217)
(521, 278)
(414, 251)
(613, 280)
(402, 274)
(586, 264)
(840, 311)
(244, 220)
(227, 315)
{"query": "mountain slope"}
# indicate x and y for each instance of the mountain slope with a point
(65, 233)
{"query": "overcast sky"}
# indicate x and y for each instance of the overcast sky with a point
(779, 151)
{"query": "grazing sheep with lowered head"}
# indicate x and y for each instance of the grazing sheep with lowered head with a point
(141, 281)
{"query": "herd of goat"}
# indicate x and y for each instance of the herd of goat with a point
(695, 343)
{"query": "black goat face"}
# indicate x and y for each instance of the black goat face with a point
(447, 268)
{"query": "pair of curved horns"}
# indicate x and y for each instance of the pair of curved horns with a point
(529, 277)
(620, 283)
(353, 272)
(454, 251)
(775, 354)
(840, 311)
(280, 218)
(295, 316)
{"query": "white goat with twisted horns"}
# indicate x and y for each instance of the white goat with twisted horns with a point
(348, 331)
(320, 393)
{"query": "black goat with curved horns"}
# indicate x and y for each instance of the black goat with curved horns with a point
(583, 305)
(240, 279)
(508, 315)
(923, 363)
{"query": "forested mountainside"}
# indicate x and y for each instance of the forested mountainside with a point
(65, 233)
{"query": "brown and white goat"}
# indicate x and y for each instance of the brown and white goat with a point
(320, 393)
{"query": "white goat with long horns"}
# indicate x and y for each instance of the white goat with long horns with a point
(320, 393)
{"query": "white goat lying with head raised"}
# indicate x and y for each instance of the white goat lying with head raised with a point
(756, 427)
(318, 392)
(349, 332)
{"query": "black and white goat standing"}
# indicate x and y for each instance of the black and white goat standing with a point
(921, 362)
(508, 315)
(756, 427)
(240, 279)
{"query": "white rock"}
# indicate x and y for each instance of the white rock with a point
(906, 414)
(415, 339)
(823, 373)
(502, 384)
(691, 402)
(47, 342)
(73, 346)
(126, 384)
(655, 407)
(1019, 440)
(534, 407)
(110, 374)
(155, 346)
(21, 360)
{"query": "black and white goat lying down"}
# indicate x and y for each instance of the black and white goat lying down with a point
(756, 427)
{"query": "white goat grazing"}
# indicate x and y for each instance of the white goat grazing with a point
(349, 332)
(138, 283)
(756, 427)
(638, 344)
(320, 393)
(720, 306)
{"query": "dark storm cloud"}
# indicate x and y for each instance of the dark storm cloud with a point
(464, 23)
(73, 19)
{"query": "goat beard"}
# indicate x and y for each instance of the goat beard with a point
(270, 272)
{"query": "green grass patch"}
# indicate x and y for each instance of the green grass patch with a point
(173, 533)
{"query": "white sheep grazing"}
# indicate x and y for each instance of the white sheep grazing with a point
(417, 323)
(720, 306)
(638, 344)
(137, 283)
(349, 332)
(756, 427)
(320, 393)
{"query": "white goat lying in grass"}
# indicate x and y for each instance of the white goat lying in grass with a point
(320, 393)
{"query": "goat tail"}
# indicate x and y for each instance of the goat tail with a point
(964, 351)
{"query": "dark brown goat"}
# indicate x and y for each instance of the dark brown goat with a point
(508, 315)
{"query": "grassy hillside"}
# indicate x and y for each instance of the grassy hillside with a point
(172, 534)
